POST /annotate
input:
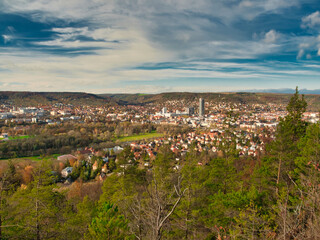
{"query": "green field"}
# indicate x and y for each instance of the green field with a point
(19, 137)
(139, 137)
(34, 158)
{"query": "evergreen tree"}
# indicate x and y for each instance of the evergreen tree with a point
(9, 182)
(285, 148)
(79, 218)
(108, 224)
(36, 212)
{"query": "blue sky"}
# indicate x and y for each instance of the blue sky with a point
(151, 46)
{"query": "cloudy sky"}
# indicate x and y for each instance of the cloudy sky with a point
(149, 46)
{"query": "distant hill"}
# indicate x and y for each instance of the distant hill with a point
(285, 90)
(78, 98)
(45, 98)
(239, 97)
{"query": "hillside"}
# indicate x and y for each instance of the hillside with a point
(45, 98)
(240, 97)
(78, 98)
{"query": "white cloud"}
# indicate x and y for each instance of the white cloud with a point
(102, 74)
(71, 30)
(275, 5)
(253, 8)
(311, 21)
(7, 38)
(311, 43)
(73, 44)
(69, 10)
(98, 9)
(152, 89)
(246, 3)
(133, 33)
(300, 53)
(271, 36)
(307, 45)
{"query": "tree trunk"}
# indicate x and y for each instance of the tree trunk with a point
(37, 213)
(278, 177)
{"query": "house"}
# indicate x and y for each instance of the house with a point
(85, 152)
(66, 172)
(117, 149)
(104, 168)
(147, 164)
(66, 157)
(95, 166)
(4, 135)
(102, 176)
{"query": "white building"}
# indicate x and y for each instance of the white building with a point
(66, 172)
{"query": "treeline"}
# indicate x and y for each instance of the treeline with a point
(42, 145)
(274, 197)
(41, 98)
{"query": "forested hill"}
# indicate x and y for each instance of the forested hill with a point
(313, 100)
(80, 98)
(44, 98)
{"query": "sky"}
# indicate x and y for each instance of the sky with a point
(152, 46)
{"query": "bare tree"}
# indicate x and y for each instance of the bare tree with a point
(161, 205)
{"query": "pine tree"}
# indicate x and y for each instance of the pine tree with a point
(290, 130)
(36, 212)
(109, 224)
(9, 182)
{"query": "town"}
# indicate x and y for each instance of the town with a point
(207, 127)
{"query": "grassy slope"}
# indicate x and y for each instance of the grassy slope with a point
(34, 158)
(19, 137)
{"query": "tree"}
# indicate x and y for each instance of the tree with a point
(109, 224)
(163, 194)
(9, 182)
(282, 168)
(186, 222)
(36, 212)
(298, 210)
(79, 218)
(289, 131)
(252, 224)
(148, 199)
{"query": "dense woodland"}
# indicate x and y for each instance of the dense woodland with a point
(275, 196)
